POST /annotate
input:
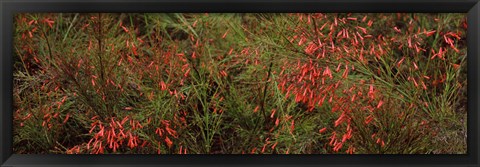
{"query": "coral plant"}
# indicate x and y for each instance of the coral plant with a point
(320, 83)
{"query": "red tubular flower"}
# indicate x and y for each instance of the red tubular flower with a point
(333, 138)
(380, 104)
(66, 118)
(340, 119)
(263, 148)
(124, 29)
(225, 34)
(311, 48)
(253, 150)
(256, 109)
(171, 131)
(327, 72)
(368, 119)
(169, 142)
(274, 145)
(338, 146)
(350, 150)
(49, 22)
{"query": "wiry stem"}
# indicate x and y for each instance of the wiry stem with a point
(48, 44)
(100, 46)
(262, 106)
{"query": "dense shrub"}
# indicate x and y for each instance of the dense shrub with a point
(240, 83)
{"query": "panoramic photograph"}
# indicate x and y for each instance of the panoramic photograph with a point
(240, 83)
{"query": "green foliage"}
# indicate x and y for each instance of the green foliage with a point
(233, 83)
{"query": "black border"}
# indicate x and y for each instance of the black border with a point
(9, 7)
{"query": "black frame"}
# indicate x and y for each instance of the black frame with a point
(9, 7)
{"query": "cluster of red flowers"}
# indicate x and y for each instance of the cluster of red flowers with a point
(322, 74)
